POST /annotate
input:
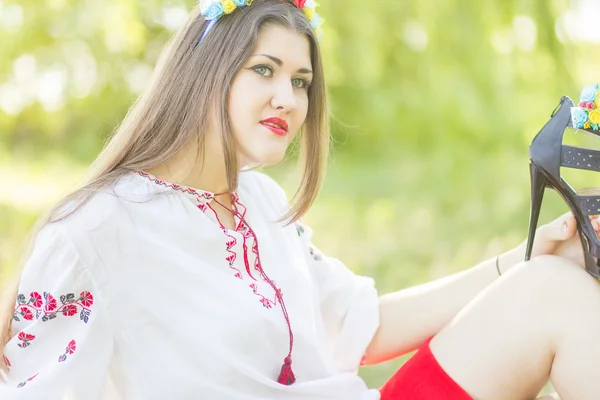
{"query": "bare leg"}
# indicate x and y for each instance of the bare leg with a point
(538, 321)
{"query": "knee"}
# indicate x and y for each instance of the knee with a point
(551, 279)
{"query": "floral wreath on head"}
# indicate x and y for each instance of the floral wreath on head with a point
(587, 115)
(215, 9)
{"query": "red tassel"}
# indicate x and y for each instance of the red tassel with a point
(286, 376)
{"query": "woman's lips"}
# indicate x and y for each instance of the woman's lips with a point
(276, 125)
(276, 130)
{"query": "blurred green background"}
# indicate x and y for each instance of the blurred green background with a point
(434, 106)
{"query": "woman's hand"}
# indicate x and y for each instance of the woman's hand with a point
(560, 238)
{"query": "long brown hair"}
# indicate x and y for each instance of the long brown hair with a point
(190, 79)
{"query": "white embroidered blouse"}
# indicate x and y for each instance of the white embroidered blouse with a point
(142, 294)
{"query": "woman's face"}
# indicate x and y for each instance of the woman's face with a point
(268, 100)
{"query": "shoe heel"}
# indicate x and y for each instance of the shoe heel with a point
(592, 261)
(538, 185)
(591, 266)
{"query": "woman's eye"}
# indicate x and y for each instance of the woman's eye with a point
(300, 83)
(263, 70)
(267, 72)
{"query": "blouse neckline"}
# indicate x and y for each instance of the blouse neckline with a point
(200, 195)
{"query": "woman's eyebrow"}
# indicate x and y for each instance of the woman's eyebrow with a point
(280, 63)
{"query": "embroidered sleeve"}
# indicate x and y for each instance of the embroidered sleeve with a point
(61, 340)
(349, 304)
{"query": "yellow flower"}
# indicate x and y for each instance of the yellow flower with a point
(597, 102)
(228, 6)
(309, 12)
(586, 125)
(594, 117)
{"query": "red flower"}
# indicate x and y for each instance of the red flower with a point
(50, 303)
(26, 336)
(36, 299)
(266, 302)
(70, 309)
(71, 347)
(299, 3)
(28, 315)
(86, 299)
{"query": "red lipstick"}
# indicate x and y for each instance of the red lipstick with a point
(276, 125)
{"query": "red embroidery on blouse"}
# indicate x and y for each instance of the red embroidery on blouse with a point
(232, 255)
(246, 262)
(286, 375)
(268, 303)
(48, 308)
(242, 224)
(36, 299)
(202, 197)
(70, 349)
(20, 385)
(184, 189)
(231, 258)
(6, 360)
(245, 231)
(363, 360)
(25, 338)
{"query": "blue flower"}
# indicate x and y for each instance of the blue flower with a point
(240, 3)
(316, 21)
(589, 93)
(214, 11)
(579, 117)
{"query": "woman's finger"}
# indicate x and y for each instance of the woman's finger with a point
(562, 228)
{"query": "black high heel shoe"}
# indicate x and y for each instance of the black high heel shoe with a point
(547, 154)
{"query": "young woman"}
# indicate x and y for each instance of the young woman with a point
(178, 273)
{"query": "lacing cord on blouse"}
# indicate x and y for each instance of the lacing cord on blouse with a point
(286, 376)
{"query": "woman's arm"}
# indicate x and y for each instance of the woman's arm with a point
(408, 317)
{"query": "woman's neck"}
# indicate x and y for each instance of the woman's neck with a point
(184, 169)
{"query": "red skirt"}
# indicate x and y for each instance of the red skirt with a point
(422, 378)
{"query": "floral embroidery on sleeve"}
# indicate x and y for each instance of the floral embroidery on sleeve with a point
(20, 385)
(315, 254)
(48, 308)
(70, 349)
(25, 339)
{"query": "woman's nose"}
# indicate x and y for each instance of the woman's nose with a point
(284, 96)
